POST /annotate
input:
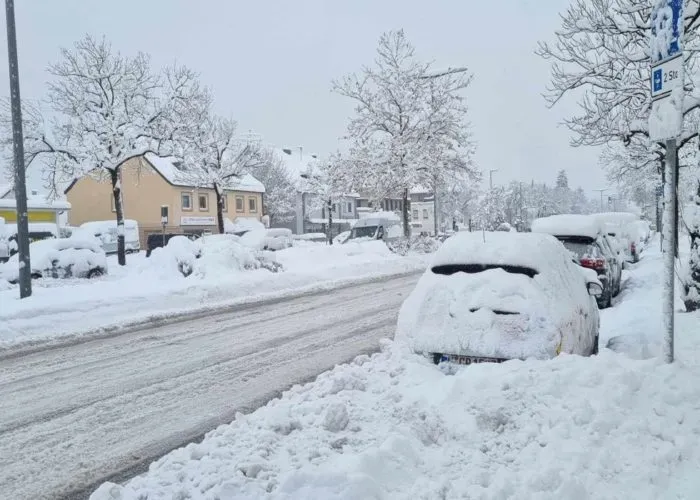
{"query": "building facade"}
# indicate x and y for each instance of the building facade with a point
(149, 183)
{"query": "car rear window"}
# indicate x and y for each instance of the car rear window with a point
(583, 250)
(449, 269)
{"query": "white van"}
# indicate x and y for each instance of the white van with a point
(376, 228)
(106, 232)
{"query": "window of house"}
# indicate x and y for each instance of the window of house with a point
(425, 214)
(252, 204)
(335, 207)
(239, 204)
(203, 202)
(349, 207)
(186, 201)
(415, 214)
(224, 201)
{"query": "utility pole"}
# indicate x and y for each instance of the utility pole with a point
(25, 269)
(601, 191)
(491, 177)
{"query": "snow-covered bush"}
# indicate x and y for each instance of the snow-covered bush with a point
(209, 256)
(415, 244)
(691, 280)
(223, 253)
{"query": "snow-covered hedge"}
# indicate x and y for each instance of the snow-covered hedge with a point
(691, 278)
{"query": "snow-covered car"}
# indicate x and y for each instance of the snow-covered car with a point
(106, 231)
(60, 258)
(278, 239)
(583, 236)
(385, 226)
(495, 296)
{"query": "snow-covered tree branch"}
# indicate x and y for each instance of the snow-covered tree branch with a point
(216, 157)
(410, 124)
(111, 108)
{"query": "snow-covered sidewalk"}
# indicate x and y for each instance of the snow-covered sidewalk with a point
(138, 293)
(394, 426)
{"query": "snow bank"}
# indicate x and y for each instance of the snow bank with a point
(457, 312)
(144, 291)
(395, 427)
(568, 225)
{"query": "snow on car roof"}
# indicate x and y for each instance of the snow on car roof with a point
(530, 250)
(568, 225)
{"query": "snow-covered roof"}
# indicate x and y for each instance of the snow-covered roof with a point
(37, 204)
(568, 225)
(296, 161)
(166, 167)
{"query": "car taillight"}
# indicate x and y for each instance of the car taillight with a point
(593, 263)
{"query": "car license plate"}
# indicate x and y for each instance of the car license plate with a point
(468, 360)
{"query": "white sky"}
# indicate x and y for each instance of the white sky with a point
(270, 64)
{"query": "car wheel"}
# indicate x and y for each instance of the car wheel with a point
(95, 273)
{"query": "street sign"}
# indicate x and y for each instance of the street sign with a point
(666, 76)
(666, 29)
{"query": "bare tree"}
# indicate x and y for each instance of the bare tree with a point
(409, 121)
(326, 185)
(602, 54)
(111, 108)
(216, 157)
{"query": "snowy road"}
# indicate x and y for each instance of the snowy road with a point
(73, 416)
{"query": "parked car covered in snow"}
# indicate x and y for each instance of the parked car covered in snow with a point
(106, 231)
(495, 296)
(278, 239)
(73, 257)
(583, 236)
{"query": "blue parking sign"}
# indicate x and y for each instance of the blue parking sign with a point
(658, 81)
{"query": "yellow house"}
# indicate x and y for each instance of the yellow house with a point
(149, 183)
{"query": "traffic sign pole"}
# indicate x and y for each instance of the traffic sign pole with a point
(666, 124)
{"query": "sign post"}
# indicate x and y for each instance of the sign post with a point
(666, 125)
(163, 219)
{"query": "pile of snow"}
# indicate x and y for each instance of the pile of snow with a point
(311, 237)
(242, 224)
(393, 426)
(342, 237)
(381, 214)
(415, 244)
(452, 308)
(568, 225)
(208, 257)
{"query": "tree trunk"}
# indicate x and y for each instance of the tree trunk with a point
(330, 222)
(691, 287)
(119, 209)
(219, 209)
(405, 209)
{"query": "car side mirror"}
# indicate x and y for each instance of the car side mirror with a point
(594, 289)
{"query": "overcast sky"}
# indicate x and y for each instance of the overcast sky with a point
(270, 64)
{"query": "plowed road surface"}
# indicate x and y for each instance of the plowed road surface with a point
(73, 416)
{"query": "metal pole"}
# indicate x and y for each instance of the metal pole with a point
(670, 235)
(25, 269)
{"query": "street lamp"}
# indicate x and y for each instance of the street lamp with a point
(491, 177)
(601, 191)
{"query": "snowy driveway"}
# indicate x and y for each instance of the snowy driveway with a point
(73, 416)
